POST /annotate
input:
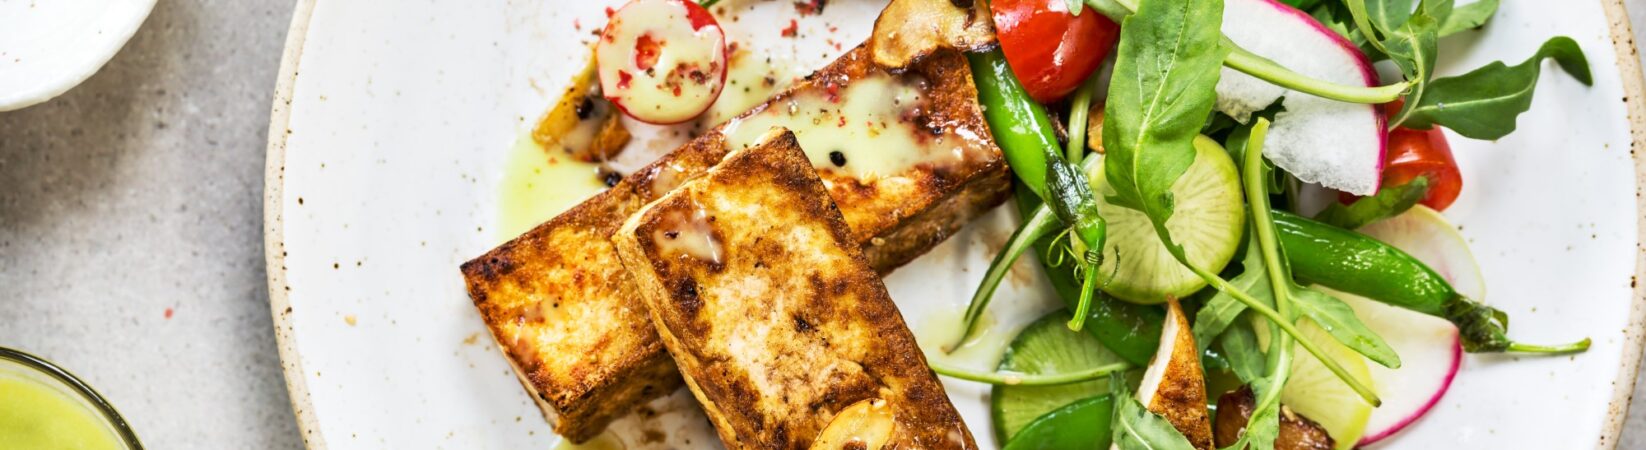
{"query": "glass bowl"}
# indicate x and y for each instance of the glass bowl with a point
(67, 396)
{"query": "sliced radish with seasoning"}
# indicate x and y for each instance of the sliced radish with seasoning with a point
(662, 61)
(1430, 352)
(1336, 144)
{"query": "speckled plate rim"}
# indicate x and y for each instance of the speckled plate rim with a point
(274, 177)
(1623, 46)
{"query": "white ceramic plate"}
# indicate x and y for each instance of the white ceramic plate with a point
(392, 122)
(49, 46)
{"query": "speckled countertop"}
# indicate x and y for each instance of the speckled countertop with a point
(130, 229)
(131, 214)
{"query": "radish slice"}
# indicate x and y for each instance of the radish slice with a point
(1336, 144)
(662, 61)
(1429, 348)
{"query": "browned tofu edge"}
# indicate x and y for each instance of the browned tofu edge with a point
(926, 418)
(580, 401)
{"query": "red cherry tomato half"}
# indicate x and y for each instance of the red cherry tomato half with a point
(1051, 51)
(1414, 153)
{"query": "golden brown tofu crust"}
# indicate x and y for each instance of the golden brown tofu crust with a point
(785, 324)
(568, 318)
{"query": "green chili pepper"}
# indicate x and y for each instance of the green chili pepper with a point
(1019, 124)
(1129, 329)
(1357, 264)
(1024, 132)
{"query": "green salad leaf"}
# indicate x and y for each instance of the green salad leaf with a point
(1339, 320)
(1468, 17)
(1412, 46)
(1241, 347)
(1484, 103)
(1389, 201)
(1136, 428)
(1223, 309)
(1169, 59)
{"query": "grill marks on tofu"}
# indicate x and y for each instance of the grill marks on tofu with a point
(792, 326)
(586, 350)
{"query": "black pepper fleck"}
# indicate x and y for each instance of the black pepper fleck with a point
(838, 158)
(585, 109)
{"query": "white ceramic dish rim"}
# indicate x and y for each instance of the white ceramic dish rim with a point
(1624, 52)
(42, 93)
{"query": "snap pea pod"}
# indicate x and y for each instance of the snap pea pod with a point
(1358, 264)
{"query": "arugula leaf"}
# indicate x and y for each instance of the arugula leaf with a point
(1264, 426)
(1408, 40)
(1413, 48)
(1484, 103)
(1169, 60)
(1136, 428)
(1339, 320)
(1241, 348)
(1223, 309)
(1075, 6)
(1390, 14)
(1468, 17)
(1389, 201)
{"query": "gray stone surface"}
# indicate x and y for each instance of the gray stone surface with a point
(139, 192)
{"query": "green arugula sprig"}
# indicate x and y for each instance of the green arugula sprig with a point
(1169, 57)
(1267, 275)
(1409, 39)
(1484, 103)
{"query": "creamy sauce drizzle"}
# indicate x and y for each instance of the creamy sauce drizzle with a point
(665, 178)
(861, 128)
(539, 184)
(750, 80)
(940, 329)
(689, 235)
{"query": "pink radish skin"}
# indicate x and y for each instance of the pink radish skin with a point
(662, 61)
(1428, 346)
(1451, 374)
(1312, 139)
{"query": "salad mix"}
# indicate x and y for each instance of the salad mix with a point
(1166, 195)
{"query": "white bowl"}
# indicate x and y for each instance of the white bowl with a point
(49, 46)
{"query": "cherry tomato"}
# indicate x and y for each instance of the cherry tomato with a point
(1051, 51)
(1414, 153)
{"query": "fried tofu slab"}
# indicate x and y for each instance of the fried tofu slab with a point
(773, 315)
(906, 157)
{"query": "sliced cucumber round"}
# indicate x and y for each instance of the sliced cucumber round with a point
(1046, 346)
(1208, 219)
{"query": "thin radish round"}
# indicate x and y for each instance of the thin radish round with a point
(662, 61)
(1429, 349)
(1336, 144)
